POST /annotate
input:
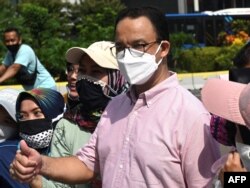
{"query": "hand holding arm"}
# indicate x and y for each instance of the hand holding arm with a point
(233, 164)
(28, 163)
(36, 182)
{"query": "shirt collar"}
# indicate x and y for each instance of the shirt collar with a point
(151, 95)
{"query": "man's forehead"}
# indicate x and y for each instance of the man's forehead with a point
(11, 34)
(131, 31)
(140, 23)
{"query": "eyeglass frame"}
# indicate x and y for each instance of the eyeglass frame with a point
(143, 46)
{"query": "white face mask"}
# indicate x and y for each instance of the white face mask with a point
(244, 151)
(6, 132)
(138, 70)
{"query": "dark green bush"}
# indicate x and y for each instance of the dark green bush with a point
(51, 27)
(205, 59)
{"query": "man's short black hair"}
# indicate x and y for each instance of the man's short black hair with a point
(11, 29)
(157, 18)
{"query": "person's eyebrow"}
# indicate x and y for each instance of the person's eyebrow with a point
(33, 109)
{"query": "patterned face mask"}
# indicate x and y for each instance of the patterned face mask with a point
(38, 141)
(37, 133)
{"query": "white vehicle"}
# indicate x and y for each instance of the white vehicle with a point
(229, 12)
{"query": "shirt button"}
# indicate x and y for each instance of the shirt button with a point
(127, 139)
(121, 166)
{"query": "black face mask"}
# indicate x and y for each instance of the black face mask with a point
(13, 48)
(34, 126)
(91, 95)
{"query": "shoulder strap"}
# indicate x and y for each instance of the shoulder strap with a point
(36, 71)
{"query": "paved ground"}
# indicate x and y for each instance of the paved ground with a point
(196, 92)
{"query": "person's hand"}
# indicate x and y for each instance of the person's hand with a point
(233, 164)
(36, 182)
(27, 163)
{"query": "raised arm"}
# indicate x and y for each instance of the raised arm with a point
(28, 163)
(10, 72)
(66, 169)
(2, 69)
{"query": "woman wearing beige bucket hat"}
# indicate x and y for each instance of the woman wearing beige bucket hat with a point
(98, 80)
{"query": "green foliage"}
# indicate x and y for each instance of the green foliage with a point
(179, 39)
(8, 17)
(237, 33)
(55, 56)
(199, 59)
(223, 60)
(53, 26)
(98, 21)
(240, 25)
(206, 59)
(44, 30)
(35, 18)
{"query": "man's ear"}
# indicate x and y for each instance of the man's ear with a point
(20, 40)
(165, 48)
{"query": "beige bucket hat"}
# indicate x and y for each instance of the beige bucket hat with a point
(98, 51)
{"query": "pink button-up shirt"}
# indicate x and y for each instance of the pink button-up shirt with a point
(161, 140)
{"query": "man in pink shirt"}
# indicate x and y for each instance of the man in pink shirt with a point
(156, 135)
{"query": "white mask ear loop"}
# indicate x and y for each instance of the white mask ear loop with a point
(158, 48)
(159, 62)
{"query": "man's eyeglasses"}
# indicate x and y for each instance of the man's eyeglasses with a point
(118, 51)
